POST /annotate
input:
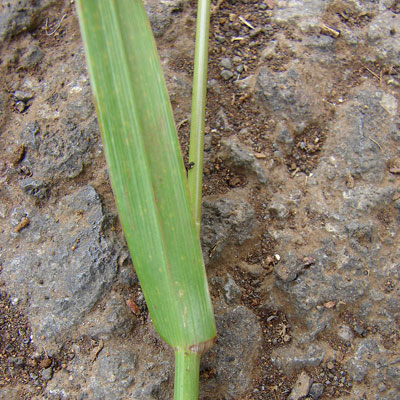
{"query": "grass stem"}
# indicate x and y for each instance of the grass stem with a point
(187, 368)
(196, 146)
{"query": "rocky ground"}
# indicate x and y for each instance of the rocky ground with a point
(301, 209)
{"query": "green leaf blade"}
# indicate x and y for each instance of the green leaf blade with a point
(146, 168)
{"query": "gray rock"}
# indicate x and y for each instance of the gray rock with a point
(239, 68)
(226, 63)
(316, 390)
(314, 287)
(58, 153)
(35, 188)
(47, 373)
(365, 199)
(226, 74)
(345, 333)
(355, 147)
(242, 158)
(81, 108)
(393, 375)
(316, 321)
(288, 95)
(20, 106)
(159, 14)
(21, 16)
(114, 319)
(65, 266)
(320, 42)
(120, 370)
(23, 95)
(32, 57)
(16, 361)
(293, 357)
(225, 221)
(357, 369)
(383, 37)
(151, 379)
(301, 387)
(115, 370)
(304, 13)
(277, 209)
(288, 268)
(284, 140)
(358, 366)
(236, 352)
(232, 292)
(3, 103)
(360, 235)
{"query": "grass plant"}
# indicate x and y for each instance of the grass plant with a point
(160, 222)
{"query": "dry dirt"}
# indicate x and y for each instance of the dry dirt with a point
(231, 110)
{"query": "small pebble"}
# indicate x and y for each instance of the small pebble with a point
(47, 374)
(301, 387)
(317, 390)
(255, 32)
(226, 63)
(20, 106)
(237, 60)
(23, 95)
(226, 74)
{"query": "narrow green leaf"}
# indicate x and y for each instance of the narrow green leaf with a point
(146, 169)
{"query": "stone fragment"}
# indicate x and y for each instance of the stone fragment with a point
(114, 319)
(284, 140)
(303, 13)
(255, 32)
(64, 268)
(355, 147)
(23, 95)
(60, 152)
(232, 292)
(226, 63)
(301, 387)
(288, 95)
(345, 333)
(160, 14)
(383, 37)
(226, 74)
(313, 287)
(236, 352)
(288, 268)
(21, 16)
(115, 370)
(47, 373)
(252, 269)
(358, 366)
(35, 188)
(316, 390)
(32, 57)
(293, 357)
(278, 210)
(240, 157)
(225, 221)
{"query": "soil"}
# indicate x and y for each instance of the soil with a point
(233, 111)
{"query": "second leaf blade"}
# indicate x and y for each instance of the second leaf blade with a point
(146, 168)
